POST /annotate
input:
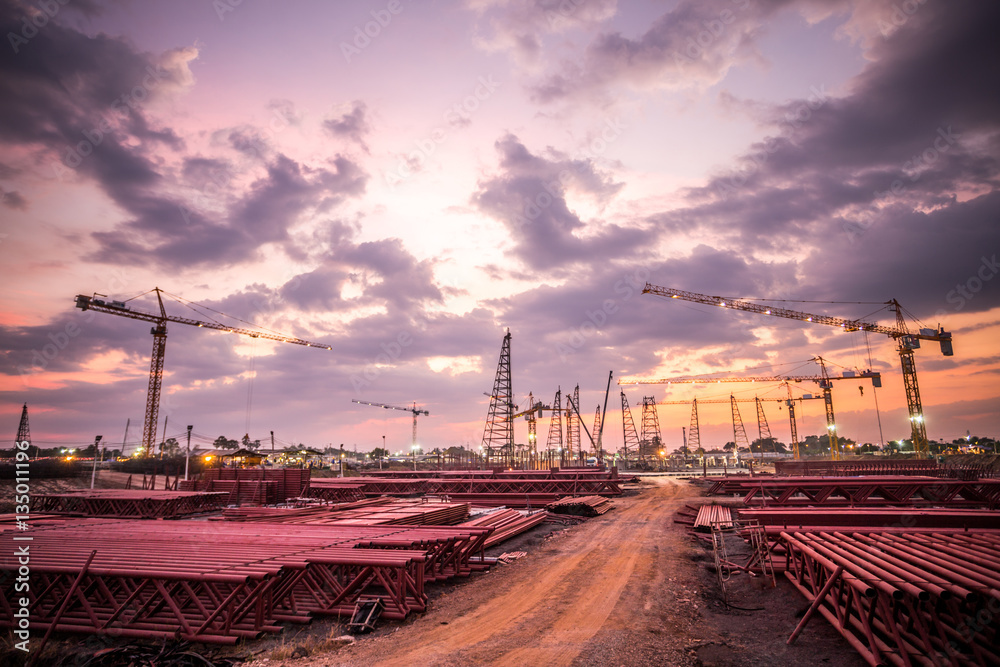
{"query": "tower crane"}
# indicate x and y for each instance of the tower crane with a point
(159, 331)
(906, 343)
(790, 402)
(531, 415)
(416, 412)
(824, 381)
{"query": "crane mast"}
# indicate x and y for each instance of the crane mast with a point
(906, 342)
(790, 402)
(416, 411)
(159, 332)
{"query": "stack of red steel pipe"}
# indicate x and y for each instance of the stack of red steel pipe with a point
(219, 582)
(903, 597)
(334, 490)
(289, 482)
(382, 511)
(499, 473)
(481, 490)
(507, 523)
(860, 491)
(860, 467)
(369, 486)
(582, 506)
(147, 504)
(808, 518)
(709, 516)
(600, 486)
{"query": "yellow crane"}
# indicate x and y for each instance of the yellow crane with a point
(906, 342)
(159, 331)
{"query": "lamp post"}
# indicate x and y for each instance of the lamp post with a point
(187, 457)
(93, 473)
(413, 448)
(382, 453)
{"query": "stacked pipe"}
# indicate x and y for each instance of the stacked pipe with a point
(289, 482)
(369, 486)
(710, 516)
(854, 468)
(800, 518)
(220, 582)
(506, 523)
(499, 473)
(558, 486)
(372, 512)
(128, 503)
(333, 491)
(862, 491)
(687, 515)
(583, 506)
(903, 597)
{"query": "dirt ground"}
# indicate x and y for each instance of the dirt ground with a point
(627, 588)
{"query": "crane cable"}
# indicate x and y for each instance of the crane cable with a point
(252, 374)
(878, 414)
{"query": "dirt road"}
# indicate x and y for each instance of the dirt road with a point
(592, 595)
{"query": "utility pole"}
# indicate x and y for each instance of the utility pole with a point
(187, 458)
(93, 474)
(128, 422)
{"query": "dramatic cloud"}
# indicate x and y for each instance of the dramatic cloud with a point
(519, 27)
(691, 46)
(352, 125)
(529, 196)
(885, 167)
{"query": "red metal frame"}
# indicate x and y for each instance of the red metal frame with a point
(897, 602)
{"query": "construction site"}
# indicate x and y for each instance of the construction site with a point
(575, 551)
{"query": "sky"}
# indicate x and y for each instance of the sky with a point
(405, 181)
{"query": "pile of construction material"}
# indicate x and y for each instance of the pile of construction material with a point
(861, 491)
(219, 582)
(879, 466)
(383, 511)
(485, 488)
(900, 596)
(583, 506)
(713, 516)
(146, 504)
(901, 559)
(252, 485)
(506, 523)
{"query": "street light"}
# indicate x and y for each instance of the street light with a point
(414, 449)
(93, 473)
(187, 457)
